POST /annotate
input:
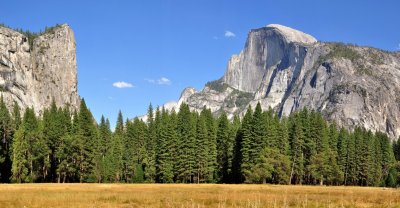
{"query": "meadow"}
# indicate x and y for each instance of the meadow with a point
(185, 195)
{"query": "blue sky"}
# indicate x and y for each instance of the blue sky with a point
(131, 53)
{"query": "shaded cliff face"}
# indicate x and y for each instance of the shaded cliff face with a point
(34, 74)
(288, 70)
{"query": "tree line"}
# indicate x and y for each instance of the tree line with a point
(192, 147)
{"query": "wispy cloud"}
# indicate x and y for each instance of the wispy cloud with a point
(161, 81)
(152, 81)
(164, 81)
(398, 47)
(215, 38)
(229, 34)
(122, 84)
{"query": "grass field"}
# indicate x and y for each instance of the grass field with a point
(178, 195)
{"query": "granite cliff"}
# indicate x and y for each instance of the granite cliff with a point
(35, 69)
(287, 70)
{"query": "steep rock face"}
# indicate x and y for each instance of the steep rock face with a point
(32, 74)
(288, 70)
(267, 49)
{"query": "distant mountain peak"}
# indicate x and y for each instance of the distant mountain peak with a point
(286, 70)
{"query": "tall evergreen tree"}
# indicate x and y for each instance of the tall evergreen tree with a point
(350, 174)
(224, 147)
(30, 152)
(53, 130)
(6, 133)
(211, 143)
(166, 138)
(258, 133)
(246, 142)
(87, 138)
(150, 158)
(202, 149)
(343, 138)
(117, 150)
(296, 140)
(186, 144)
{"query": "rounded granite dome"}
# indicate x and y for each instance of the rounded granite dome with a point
(292, 35)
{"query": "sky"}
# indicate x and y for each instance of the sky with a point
(131, 53)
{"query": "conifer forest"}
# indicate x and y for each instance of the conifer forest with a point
(192, 147)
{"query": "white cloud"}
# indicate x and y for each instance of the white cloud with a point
(164, 81)
(161, 81)
(215, 38)
(229, 34)
(398, 48)
(122, 84)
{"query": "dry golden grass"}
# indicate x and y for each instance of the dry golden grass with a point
(180, 195)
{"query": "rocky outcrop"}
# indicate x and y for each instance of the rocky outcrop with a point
(287, 70)
(35, 71)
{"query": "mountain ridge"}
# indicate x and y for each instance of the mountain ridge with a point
(351, 85)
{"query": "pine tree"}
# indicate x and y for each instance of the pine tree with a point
(102, 151)
(396, 149)
(66, 152)
(350, 174)
(151, 138)
(137, 133)
(333, 137)
(258, 132)
(86, 138)
(343, 138)
(387, 158)
(318, 165)
(211, 143)
(246, 142)
(129, 155)
(232, 149)
(30, 152)
(186, 144)
(283, 137)
(202, 149)
(311, 135)
(164, 161)
(117, 150)
(296, 140)
(271, 128)
(6, 131)
(224, 145)
(16, 116)
(53, 130)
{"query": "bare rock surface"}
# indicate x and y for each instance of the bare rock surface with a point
(34, 72)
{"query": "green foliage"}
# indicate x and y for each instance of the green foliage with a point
(340, 50)
(191, 147)
(186, 145)
(33, 35)
(7, 129)
(217, 85)
(242, 98)
(224, 149)
(348, 51)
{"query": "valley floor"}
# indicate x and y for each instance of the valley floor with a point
(182, 195)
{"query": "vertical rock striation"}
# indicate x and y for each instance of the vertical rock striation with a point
(34, 72)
